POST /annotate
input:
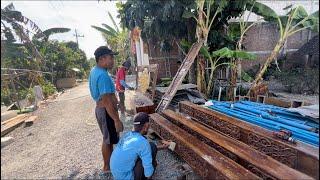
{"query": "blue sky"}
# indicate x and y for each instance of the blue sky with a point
(78, 15)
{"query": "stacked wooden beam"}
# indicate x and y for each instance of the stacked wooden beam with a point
(185, 92)
(205, 160)
(300, 156)
(10, 124)
(216, 148)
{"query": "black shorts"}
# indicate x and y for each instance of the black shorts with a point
(106, 125)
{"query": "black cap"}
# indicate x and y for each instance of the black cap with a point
(126, 64)
(103, 50)
(141, 118)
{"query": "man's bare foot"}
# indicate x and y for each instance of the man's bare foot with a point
(105, 170)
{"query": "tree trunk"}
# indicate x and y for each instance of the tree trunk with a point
(210, 83)
(198, 75)
(192, 74)
(192, 77)
(233, 80)
(201, 82)
(263, 69)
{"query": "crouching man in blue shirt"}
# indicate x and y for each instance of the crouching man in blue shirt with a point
(134, 156)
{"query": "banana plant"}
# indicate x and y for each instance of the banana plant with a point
(9, 15)
(116, 38)
(108, 30)
(296, 20)
(204, 18)
(224, 53)
(49, 32)
(218, 58)
(243, 26)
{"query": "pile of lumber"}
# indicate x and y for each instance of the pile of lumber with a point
(221, 147)
(10, 124)
(185, 92)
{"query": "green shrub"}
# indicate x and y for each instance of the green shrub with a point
(299, 80)
(5, 96)
(48, 89)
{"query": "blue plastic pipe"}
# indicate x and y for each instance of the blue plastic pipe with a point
(300, 134)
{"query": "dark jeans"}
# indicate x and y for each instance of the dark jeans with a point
(121, 102)
(138, 168)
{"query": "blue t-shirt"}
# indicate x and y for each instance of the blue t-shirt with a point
(123, 158)
(100, 83)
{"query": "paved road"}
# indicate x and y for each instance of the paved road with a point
(65, 143)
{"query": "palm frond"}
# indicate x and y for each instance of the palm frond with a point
(51, 31)
(110, 28)
(114, 22)
(103, 31)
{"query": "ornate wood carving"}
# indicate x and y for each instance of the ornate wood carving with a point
(222, 126)
(198, 164)
(279, 152)
(259, 173)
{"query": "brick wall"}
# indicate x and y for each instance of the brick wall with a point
(263, 37)
(157, 57)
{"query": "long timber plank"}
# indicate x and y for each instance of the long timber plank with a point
(11, 124)
(204, 160)
(301, 157)
(260, 164)
(178, 78)
(20, 116)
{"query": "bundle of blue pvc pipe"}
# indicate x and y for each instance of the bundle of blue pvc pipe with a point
(271, 117)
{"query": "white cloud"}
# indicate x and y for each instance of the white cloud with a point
(78, 15)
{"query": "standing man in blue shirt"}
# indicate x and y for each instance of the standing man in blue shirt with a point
(134, 156)
(102, 90)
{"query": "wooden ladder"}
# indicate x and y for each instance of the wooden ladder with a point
(178, 78)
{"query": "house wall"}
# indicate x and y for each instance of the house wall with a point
(158, 57)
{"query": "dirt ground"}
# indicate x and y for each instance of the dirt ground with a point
(65, 142)
(277, 88)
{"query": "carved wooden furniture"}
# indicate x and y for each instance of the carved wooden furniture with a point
(300, 156)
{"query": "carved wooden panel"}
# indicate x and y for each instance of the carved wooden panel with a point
(186, 109)
(279, 152)
(259, 173)
(223, 151)
(209, 142)
(201, 167)
(222, 126)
